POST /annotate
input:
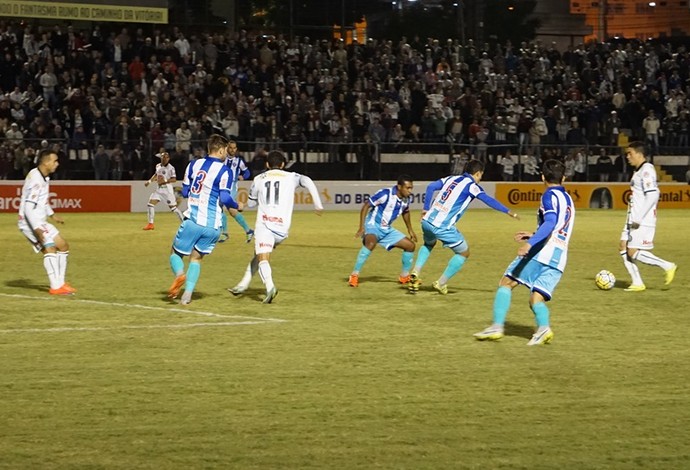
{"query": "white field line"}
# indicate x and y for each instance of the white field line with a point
(241, 319)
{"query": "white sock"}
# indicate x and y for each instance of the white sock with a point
(647, 257)
(252, 268)
(62, 265)
(50, 262)
(151, 212)
(266, 274)
(177, 212)
(632, 269)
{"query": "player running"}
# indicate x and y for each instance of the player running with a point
(165, 177)
(274, 192)
(240, 171)
(440, 216)
(541, 258)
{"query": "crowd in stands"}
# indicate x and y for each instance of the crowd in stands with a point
(108, 100)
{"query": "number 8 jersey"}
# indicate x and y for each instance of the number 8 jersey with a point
(274, 192)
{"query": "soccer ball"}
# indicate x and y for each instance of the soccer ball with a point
(605, 280)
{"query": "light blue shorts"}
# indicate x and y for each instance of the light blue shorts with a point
(387, 237)
(535, 275)
(191, 236)
(450, 237)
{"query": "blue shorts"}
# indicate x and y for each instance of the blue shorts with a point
(387, 237)
(535, 275)
(449, 236)
(191, 236)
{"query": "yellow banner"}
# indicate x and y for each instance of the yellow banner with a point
(591, 195)
(83, 11)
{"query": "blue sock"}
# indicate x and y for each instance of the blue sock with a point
(224, 223)
(239, 218)
(454, 265)
(502, 304)
(176, 264)
(422, 256)
(541, 314)
(362, 256)
(407, 257)
(193, 272)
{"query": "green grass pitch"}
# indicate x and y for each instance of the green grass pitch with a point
(334, 377)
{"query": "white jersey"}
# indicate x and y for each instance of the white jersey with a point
(166, 172)
(644, 196)
(274, 192)
(35, 203)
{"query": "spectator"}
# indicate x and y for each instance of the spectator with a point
(101, 163)
(604, 165)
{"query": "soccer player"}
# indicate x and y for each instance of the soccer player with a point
(206, 185)
(165, 177)
(240, 171)
(637, 238)
(375, 226)
(34, 210)
(541, 258)
(274, 192)
(440, 216)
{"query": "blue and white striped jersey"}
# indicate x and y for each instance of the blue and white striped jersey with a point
(553, 250)
(206, 178)
(386, 206)
(452, 201)
(238, 167)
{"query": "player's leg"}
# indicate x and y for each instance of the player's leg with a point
(645, 255)
(628, 250)
(266, 274)
(454, 240)
(239, 218)
(544, 334)
(368, 244)
(151, 210)
(224, 235)
(408, 247)
(183, 245)
(62, 255)
(171, 200)
(44, 237)
(243, 285)
(429, 236)
(206, 239)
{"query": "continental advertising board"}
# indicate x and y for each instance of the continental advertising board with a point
(127, 11)
(591, 195)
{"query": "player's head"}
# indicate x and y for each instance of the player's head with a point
(635, 153)
(47, 161)
(232, 148)
(553, 172)
(475, 168)
(405, 186)
(275, 160)
(164, 156)
(217, 146)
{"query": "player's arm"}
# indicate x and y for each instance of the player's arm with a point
(150, 180)
(227, 200)
(429, 194)
(408, 224)
(187, 180)
(244, 174)
(308, 183)
(253, 196)
(651, 198)
(543, 232)
(496, 205)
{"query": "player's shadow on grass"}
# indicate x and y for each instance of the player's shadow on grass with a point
(514, 329)
(198, 295)
(328, 247)
(254, 294)
(25, 284)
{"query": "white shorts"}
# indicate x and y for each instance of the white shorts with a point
(641, 238)
(266, 240)
(49, 234)
(166, 194)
